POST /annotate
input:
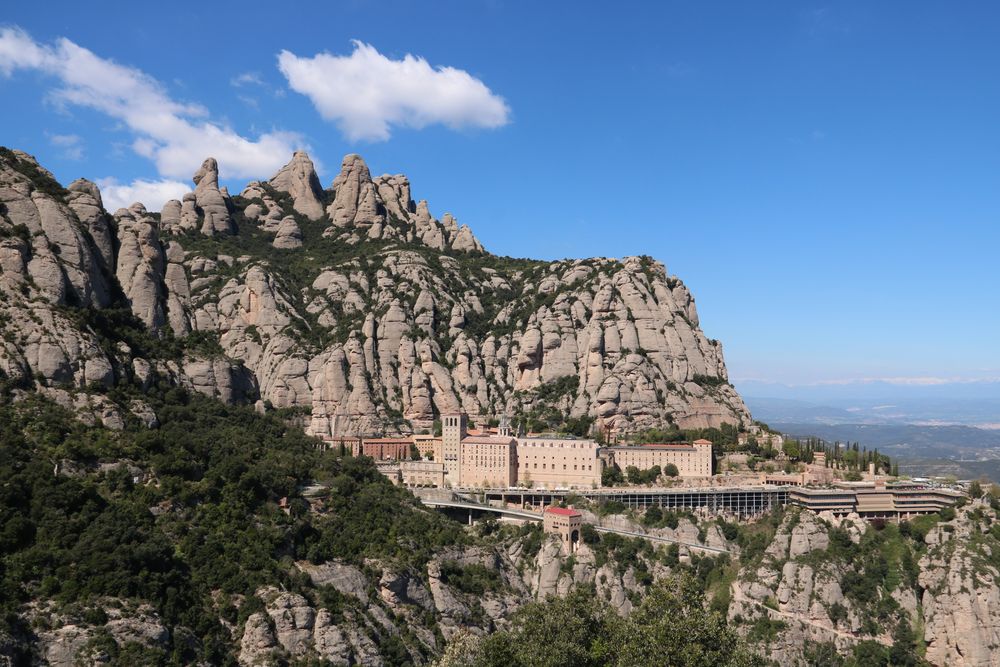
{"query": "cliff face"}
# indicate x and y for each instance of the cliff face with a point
(353, 301)
(828, 582)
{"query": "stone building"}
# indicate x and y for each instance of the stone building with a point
(565, 522)
(454, 427)
(556, 463)
(489, 461)
(480, 460)
(383, 449)
(427, 445)
(549, 462)
(422, 473)
(692, 460)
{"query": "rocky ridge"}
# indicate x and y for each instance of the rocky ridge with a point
(805, 591)
(353, 302)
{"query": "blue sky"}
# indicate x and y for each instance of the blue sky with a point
(825, 177)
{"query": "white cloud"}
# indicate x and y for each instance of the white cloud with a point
(176, 136)
(246, 79)
(153, 194)
(366, 93)
(248, 101)
(71, 145)
(902, 381)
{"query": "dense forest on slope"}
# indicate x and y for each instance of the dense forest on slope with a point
(186, 517)
(173, 544)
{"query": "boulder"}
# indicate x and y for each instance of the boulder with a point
(288, 236)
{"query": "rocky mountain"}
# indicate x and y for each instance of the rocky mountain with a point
(353, 303)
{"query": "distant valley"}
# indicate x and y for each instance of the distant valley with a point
(947, 430)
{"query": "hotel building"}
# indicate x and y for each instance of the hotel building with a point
(692, 460)
(558, 463)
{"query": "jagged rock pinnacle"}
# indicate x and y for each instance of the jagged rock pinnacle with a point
(298, 178)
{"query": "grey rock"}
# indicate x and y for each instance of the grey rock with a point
(347, 579)
(298, 178)
(210, 200)
(355, 199)
(288, 236)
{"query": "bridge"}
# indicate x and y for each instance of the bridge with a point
(741, 501)
(476, 507)
(471, 507)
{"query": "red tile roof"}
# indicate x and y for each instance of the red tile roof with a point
(703, 441)
(562, 511)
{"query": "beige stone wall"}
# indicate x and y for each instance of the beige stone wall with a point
(489, 462)
(427, 444)
(550, 463)
(422, 473)
(691, 461)
(390, 469)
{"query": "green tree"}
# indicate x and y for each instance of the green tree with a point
(612, 476)
(670, 470)
(653, 515)
(791, 449)
(634, 475)
(904, 646)
(672, 626)
(869, 653)
(589, 534)
(575, 631)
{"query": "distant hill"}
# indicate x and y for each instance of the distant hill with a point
(907, 442)
(790, 410)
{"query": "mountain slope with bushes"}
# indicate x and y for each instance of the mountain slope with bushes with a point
(351, 303)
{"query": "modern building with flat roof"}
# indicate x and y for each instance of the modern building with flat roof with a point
(875, 500)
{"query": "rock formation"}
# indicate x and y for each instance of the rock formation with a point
(211, 205)
(355, 201)
(298, 178)
(374, 314)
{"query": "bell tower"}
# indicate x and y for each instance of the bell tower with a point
(453, 430)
